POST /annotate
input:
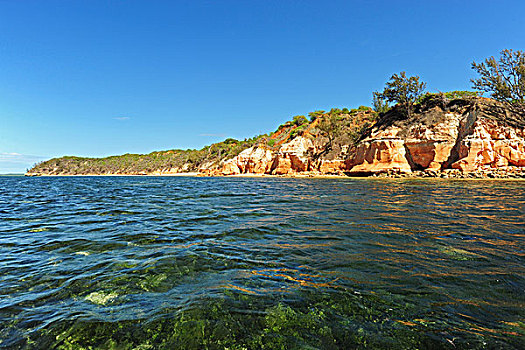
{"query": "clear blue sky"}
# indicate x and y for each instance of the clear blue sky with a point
(97, 78)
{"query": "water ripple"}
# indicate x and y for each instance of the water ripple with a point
(134, 262)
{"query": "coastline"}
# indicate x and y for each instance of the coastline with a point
(382, 176)
(193, 174)
(436, 143)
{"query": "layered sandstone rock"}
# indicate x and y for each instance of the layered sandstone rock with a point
(377, 155)
(294, 156)
(487, 143)
(464, 135)
(332, 167)
(254, 160)
(424, 142)
(467, 140)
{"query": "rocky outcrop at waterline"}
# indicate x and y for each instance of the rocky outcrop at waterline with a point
(442, 138)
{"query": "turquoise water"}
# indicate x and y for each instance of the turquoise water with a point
(246, 263)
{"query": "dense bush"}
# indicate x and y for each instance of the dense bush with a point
(316, 114)
(299, 120)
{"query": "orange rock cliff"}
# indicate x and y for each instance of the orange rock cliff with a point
(467, 135)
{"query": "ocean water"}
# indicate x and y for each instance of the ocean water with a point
(251, 263)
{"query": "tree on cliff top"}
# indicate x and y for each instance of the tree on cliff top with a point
(403, 90)
(380, 105)
(330, 127)
(504, 79)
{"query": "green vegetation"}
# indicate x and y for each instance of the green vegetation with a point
(330, 127)
(174, 160)
(342, 320)
(455, 95)
(380, 104)
(335, 111)
(403, 90)
(503, 78)
(446, 96)
(298, 131)
(316, 114)
(299, 120)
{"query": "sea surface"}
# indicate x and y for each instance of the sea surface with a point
(261, 263)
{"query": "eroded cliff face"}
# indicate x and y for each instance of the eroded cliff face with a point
(468, 137)
(423, 142)
(254, 160)
(488, 144)
(293, 157)
(468, 140)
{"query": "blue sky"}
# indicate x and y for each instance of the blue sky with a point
(97, 78)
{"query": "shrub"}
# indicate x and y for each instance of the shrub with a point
(316, 114)
(335, 111)
(299, 120)
(297, 131)
(380, 104)
(229, 141)
(453, 95)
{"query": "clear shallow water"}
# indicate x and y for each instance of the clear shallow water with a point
(147, 263)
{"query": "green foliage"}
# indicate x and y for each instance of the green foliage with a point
(503, 78)
(298, 131)
(454, 95)
(299, 120)
(360, 109)
(403, 90)
(427, 97)
(138, 164)
(330, 127)
(316, 114)
(230, 141)
(444, 96)
(380, 104)
(335, 111)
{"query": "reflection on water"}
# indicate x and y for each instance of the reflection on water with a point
(146, 263)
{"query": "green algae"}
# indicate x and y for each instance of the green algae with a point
(351, 322)
(101, 298)
(459, 254)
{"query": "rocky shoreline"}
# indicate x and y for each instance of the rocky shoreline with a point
(485, 174)
(512, 173)
(494, 174)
